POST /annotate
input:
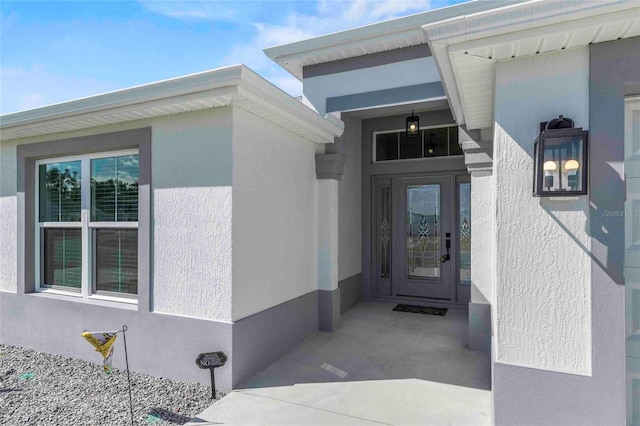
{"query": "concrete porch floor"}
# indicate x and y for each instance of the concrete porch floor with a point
(401, 368)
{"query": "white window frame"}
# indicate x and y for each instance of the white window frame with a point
(87, 287)
(398, 131)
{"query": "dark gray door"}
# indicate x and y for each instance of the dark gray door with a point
(423, 219)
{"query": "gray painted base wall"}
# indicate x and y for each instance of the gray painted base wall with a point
(527, 396)
(329, 309)
(350, 292)
(262, 338)
(480, 327)
(158, 344)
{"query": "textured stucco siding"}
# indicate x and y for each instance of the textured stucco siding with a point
(350, 201)
(275, 229)
(8, 217)
(482, 248)
(327, 234)
(192, 197)
(191, 207)
(543, 285)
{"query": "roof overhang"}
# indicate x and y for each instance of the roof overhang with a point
(236, 86)
(374, 38)
(466, 48)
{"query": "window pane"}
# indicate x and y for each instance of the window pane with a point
(62, 257)
(465, 233)
(114, 189)
(116, 260)
(454, 147)
(436, 142)
(387, 147)
(59, 192)
(410, 147)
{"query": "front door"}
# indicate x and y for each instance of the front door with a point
(423, 230)
(419, 239)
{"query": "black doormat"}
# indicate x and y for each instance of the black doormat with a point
(421, 310)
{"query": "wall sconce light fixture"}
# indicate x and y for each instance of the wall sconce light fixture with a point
(560, 158)
(413, 126)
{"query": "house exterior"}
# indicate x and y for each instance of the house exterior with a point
(259, 219)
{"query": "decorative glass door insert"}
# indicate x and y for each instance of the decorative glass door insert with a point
(464, 206)
(422, 228)
(423, 231)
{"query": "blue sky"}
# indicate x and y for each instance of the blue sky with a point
(56, 51)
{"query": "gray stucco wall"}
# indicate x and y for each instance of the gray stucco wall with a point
(557, 398)
(350, 292)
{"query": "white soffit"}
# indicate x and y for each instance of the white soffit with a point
(369, 39)
(467, 48)
(236, 86)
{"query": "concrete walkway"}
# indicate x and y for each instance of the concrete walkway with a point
(380, 367)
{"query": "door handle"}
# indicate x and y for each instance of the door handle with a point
(446, 257)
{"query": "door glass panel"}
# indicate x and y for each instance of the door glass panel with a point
(423, 231)
(464, 191)
(385, 232)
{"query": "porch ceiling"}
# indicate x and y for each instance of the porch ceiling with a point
(467, 48)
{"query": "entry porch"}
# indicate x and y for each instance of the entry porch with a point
(380, 367)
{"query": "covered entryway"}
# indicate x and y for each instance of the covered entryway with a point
(416, 199)
(424, 235)
(379, 367)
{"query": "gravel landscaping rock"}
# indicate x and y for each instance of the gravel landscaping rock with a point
(42, 389)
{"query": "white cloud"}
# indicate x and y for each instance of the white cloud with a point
(27, 88)
(331, 16)
(195, 10)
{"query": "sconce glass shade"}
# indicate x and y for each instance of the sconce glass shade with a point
(560, 163)
(413, 126)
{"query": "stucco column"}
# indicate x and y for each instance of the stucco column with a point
(478, 149)
(329, 169)
(482, 259)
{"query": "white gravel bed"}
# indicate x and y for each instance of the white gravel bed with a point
(64, 391)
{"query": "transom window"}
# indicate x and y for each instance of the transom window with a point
(87, 224)
(438, 141)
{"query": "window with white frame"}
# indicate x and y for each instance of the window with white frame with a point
(87, 224)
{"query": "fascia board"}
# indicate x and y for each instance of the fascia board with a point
(209, 89)
(260, 92)
(289, 56)
(156, 91)
(546, 30)
(531, 15)
(440, 53)
(222, 92)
